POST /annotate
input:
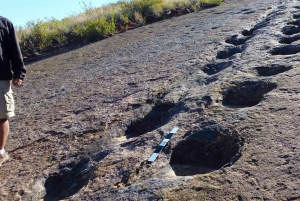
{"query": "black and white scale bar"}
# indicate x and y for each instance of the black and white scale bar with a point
(162, 145)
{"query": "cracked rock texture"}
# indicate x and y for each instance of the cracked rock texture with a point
(227, 76)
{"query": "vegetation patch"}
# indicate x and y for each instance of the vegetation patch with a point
(97, 23)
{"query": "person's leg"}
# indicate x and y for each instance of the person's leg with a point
(4, 128)
(6, 112)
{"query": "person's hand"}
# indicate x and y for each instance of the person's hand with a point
(17, 82)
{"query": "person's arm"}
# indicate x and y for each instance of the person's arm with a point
(15, 55)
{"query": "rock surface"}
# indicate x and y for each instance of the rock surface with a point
(227, 76)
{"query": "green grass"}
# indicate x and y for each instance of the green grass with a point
(96, 23)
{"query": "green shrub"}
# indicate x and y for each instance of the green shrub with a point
(144, 7)
(138, 17)
(124, 18)
(95, 23)
(213, 2)
(41, 35)
(94, 30)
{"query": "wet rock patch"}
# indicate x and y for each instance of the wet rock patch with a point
(246, 93)
(205, 151)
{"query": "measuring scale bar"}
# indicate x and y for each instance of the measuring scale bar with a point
(162, 145)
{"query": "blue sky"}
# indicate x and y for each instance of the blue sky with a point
(22, 11)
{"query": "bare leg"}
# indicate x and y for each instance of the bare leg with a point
(4, 128)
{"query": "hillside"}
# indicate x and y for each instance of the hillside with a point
(227, 77)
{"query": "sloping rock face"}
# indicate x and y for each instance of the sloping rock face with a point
(228, 77)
